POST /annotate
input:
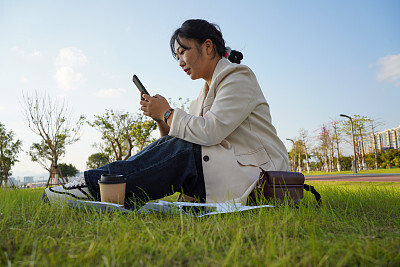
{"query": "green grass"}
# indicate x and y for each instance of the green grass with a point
(358, 224)
(379, 171)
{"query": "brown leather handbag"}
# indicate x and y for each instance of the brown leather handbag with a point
(284, 186)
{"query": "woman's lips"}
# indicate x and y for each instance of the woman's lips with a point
(187, 71)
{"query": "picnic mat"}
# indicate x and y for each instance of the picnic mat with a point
(186, 208)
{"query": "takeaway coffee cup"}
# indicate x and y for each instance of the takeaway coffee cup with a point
(112, 188)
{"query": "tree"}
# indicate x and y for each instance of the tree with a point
(391, 158)
(97, 160)
(67, 170)
(346, 162)
(318, 156)
(50, 120)
(336, 138)
(9, 150)
(181, 103)
(373, 124)
(374, 160)
(115, 127)
(325, 146)
(360, 133)
(292, 155)
(121, 132)
(306, 146)
(299, 154)
(141, 132)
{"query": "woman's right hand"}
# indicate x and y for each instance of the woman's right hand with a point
(154, 106)
(162, 126)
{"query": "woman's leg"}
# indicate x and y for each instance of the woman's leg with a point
(166, 166)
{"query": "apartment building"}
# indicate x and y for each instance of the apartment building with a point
(387, 139)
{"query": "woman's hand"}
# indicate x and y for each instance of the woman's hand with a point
(154, 106)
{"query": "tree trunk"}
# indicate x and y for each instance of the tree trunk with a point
(299, 162)
(363, 161)
(307, 161)
(375, 149)
(4, 179)
(326, 169)
(332, 165)
(339, 165)
(358, 153)
(130, 147)
(307, 164)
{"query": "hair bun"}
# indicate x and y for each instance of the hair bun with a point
(235, 56)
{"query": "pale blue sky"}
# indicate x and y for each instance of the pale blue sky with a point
(313, 59)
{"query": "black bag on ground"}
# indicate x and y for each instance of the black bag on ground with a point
(281, 185)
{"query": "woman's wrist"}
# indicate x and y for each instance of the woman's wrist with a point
(168, 114)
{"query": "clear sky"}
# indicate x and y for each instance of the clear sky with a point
(313, 59)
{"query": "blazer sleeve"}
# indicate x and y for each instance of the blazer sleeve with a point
(233, 99)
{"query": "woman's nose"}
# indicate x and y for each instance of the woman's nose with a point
(181, 62)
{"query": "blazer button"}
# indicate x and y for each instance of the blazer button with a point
(206, 158)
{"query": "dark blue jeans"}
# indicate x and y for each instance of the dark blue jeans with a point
(165, 166)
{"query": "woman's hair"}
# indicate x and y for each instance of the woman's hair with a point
(201, 30)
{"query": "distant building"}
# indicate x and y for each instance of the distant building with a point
(28, 179)
(387, 139)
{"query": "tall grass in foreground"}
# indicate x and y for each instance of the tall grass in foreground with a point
(358, 224)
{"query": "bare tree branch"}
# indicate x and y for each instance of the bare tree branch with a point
(50, 120)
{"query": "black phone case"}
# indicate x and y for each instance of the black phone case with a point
(139, 85)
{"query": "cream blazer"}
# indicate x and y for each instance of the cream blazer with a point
(233, 126)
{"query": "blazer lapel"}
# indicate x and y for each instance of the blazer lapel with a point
(209, 99)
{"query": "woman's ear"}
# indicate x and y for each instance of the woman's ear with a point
(209, 46)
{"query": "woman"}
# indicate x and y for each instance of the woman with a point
(213, 153)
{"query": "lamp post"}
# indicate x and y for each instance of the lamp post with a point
(354, 144)
(294, 154)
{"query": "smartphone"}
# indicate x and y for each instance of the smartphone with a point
(139, 85)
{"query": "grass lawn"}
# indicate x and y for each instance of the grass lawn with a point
(358, 224)
(379, 171)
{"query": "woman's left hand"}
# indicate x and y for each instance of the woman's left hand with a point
(154, 106)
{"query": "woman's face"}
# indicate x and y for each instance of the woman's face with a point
(191, 59)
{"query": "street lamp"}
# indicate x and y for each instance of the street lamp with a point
(354, 144)
(294, 154)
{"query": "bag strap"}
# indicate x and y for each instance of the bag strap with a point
(315, 193)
